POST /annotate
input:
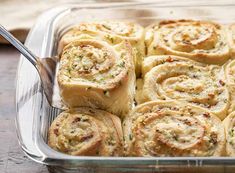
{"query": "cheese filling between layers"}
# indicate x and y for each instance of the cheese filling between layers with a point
(94, 63)
(85, 131)
(125, 29)
(167, 128)
(172, 77)
(196, 38)
(202, 41)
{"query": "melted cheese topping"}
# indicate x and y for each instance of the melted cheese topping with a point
(171, 77)
(229, 124)
(113, 32)
(201, 41)
(94, 74)
(230, 78)
(93, 63)
(167, 128)
(231, 135)
(232, 27)
(231, 38)
(230, 72)
(86, 131)
(124, 29)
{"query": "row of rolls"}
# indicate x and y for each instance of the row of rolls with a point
(152, 129)
(164, 90)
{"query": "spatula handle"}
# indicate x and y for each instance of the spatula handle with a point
(18, 45)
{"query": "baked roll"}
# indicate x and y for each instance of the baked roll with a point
(112, 32)
(230, 82)
(231, 38)
(172, 77)
(198, 40)
(95, 74)
(168, 128)
(229, 124)
(86, 132)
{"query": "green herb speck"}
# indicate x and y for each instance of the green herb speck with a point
(69, 69)
(88, 88)
(121, 64)
(79, 56)
(106, 93)
(130, 136)
(231, 132)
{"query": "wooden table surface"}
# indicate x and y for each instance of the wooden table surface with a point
(12, 158)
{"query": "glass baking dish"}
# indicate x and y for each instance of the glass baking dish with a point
(34, 115)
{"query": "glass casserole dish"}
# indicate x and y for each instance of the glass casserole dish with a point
(34, 115)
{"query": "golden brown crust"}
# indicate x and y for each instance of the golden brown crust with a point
(231, 38)
(168, 128)
(95, 74)
(86, 132)
(198, 40)
(113, 32)
(177, 78)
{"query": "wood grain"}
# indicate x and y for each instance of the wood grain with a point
(12, 158)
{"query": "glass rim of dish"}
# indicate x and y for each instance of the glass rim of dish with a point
(36, 136)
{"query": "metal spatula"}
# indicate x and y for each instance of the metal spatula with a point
(46, 67)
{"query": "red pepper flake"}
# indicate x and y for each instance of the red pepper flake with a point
(86, 137)
(186, 42)
(211, 95)
(221, 82)
(82, 46)
(213, 138)
(76, 120)
(91, 111)
(206, 114)
(56, 132)
(169, 59)
(187, 122)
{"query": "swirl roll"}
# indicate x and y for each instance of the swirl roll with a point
(202, 41)
(112, 32)
(231, 38)
(230, 82)
(229, 124)
(172, 77)
(95, 74)
(168, 128)
(87, 132)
